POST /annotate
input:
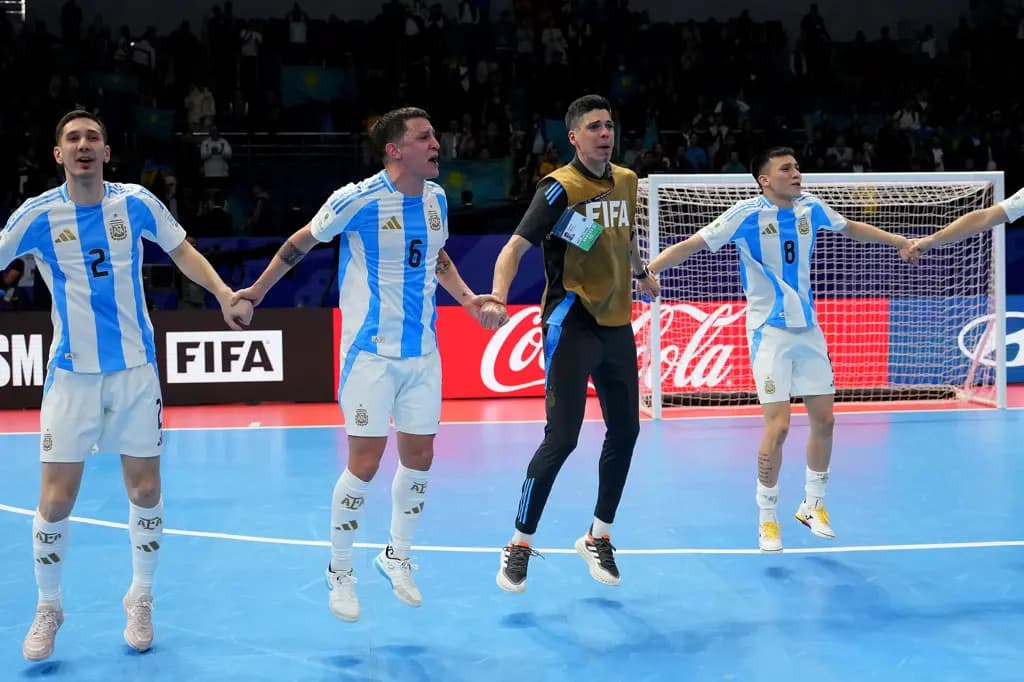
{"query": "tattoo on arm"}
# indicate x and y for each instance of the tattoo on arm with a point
(444, 264)
(290, 254)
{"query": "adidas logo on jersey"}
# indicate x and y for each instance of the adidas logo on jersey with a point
(771, 230)
(65, 235)
(392, 224)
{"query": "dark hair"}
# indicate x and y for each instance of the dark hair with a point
(71, 116)
(581, 107)
(761, 159)
(391, 127)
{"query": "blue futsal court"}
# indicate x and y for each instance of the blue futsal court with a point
(923, 583)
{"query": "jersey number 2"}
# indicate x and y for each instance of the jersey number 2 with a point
(100, 259)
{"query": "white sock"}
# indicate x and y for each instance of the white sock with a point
(346, 511)
(522, 538)
(408, 492)
(767, 499)
(599, 529)
(814, 487)
(49, 547)
(145, 531)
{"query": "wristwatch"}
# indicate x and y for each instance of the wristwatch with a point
(642, 275)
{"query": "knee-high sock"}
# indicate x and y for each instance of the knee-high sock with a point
(408, 492)
(146, 532)
(346, 512)
(49, 546)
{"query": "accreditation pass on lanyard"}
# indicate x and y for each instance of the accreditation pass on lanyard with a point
(577, 229)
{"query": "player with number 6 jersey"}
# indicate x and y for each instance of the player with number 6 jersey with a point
(102, 391)
(392, 227)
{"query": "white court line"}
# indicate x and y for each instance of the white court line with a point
(554, 550)
(258, 426)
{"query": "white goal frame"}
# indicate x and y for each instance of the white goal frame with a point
(658, 180)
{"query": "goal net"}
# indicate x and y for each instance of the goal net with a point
(895, 331)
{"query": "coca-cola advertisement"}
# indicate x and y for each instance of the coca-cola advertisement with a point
(703, 347)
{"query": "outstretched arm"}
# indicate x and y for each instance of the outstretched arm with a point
(863, 232)
(961, 228)
(290, 253)
(195, 266)
(677, 253)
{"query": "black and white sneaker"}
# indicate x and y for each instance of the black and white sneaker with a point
(600, 557)
(514, 562)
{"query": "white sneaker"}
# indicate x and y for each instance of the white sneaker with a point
(769, 537)
(39, 640)
(815, 518)
(342, 597)
(399, 573)
(138, 629)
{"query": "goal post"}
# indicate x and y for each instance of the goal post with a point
(934, 330)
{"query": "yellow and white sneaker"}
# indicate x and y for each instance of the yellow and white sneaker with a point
(815, 518)
(769, 537)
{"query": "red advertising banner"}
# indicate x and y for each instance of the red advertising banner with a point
(704, 347)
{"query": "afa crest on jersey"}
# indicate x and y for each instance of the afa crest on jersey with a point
(803, 226)
(118, 229)
(434, 220)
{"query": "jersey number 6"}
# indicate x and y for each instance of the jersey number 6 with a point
(415, 253)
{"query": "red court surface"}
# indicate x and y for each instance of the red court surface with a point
(493, 410)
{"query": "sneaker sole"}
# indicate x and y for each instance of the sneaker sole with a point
(347, 619)
(141, 648)
(595, 572)
(35, 659)
(404, 600)
(508, 586)
(814, 532)
(775, 550)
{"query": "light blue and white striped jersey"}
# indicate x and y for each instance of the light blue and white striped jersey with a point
(386, 278)
(91, 260)
(1014, 206)
(775, 246)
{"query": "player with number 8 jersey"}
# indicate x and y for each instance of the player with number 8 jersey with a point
(102, 392)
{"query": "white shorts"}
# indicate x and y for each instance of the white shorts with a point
(789, 362)
(376, 389)
(118, 412)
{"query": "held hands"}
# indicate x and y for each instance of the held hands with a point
(474, 304)
(918, 247)
(905, 247)
(649, 286)
(237, 314)
(250, 294)
(492, 313)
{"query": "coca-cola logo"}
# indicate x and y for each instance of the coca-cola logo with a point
(513, 359)
(705, 360)
(516, 347)
(985, 348)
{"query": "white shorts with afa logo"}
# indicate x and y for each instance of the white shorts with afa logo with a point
(118, 412)
(375, 389)
(790, 362)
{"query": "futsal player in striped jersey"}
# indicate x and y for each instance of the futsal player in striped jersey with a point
(979, 220)
(775, 234)
(102, 391)
(392, 227)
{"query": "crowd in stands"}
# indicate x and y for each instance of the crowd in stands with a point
(201, 114)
